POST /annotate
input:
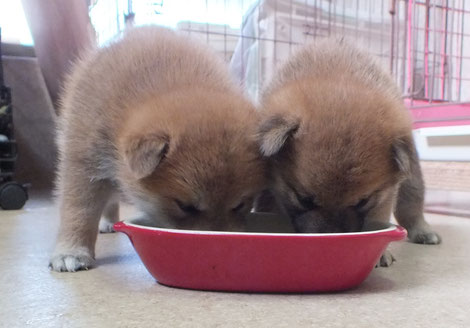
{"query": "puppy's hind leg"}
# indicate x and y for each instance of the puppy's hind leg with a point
(409, 207)
(110, 214)
(81, 204)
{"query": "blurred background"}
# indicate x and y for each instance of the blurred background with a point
(424, 44)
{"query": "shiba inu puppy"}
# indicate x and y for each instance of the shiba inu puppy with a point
(155, 116)
(340, 143)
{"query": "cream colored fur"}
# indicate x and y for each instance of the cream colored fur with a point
(340, 143)
(154, 115)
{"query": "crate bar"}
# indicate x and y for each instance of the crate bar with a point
(357, 20)
(410, 47)
(458, 108)
(405, 42)
(426, 51)
(240, 36)
(329, 19)
(382, 21)
(450, 52)
(370, 24)
(420, 3)
(207, 22)
(335, 15)
(306, 33)
(459, 70)
(448, 56)
(225, 30)
(434, 53)
(442, 114)
(397, 37)
(290, 25)
(243, 36)
(393, 14)
(442, 31)
(275, 33)
(443, 47)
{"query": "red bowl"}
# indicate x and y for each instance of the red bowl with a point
(259, 262)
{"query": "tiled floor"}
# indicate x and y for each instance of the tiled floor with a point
(447, 187)
(429, 286)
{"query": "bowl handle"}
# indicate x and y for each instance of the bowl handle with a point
(399, 233)
(121, 226)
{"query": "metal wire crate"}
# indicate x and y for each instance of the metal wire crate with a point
(425, 44)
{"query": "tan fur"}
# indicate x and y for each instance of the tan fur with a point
(336, 129)
(154, 115)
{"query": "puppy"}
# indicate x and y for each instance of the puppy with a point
(340, 143)
(156, 116)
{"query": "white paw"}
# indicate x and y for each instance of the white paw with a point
(427, 237)
(386, 260)
(71, 262)
(106, 226)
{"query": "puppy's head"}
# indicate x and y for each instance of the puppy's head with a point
(336, 158)
(191, 161)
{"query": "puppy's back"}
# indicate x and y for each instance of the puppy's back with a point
(335, 86)
(334, 59)
(146, 60)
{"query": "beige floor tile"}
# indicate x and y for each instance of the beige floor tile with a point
(429, 286)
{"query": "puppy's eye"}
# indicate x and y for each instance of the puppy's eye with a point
(238, 207)
(187, 208)
(308, 202)
(361, 204)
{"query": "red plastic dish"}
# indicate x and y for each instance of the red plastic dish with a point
(259, 262)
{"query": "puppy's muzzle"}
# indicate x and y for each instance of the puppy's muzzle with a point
(328, 222)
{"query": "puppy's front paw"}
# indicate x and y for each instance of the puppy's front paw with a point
(106, 226)
(71, 262)
(386, 260)
(427, 237)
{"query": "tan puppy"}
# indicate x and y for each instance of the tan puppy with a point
(341, 145)
(156, 116)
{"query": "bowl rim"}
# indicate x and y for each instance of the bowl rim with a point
(119, 226)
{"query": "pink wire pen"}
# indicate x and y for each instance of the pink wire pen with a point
(423, 43)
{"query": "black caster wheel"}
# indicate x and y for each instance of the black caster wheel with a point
(13, 196)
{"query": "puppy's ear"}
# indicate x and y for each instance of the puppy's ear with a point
(143, 153)
(403, 153)
(274, 132)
